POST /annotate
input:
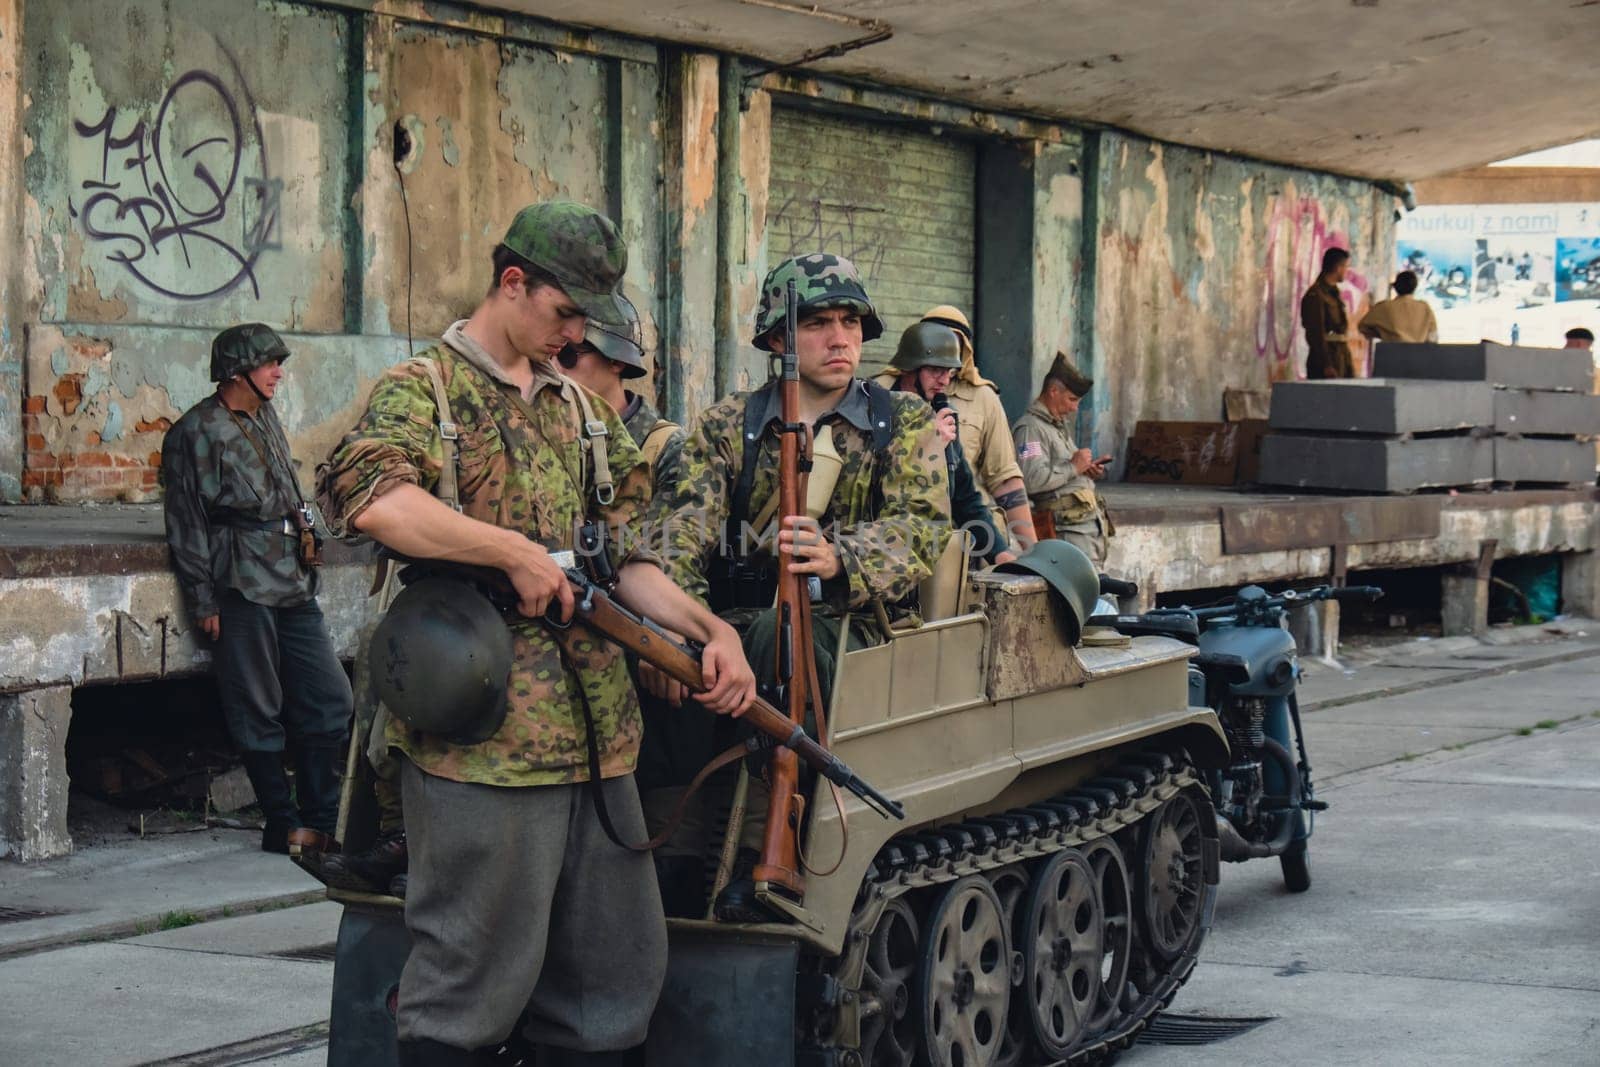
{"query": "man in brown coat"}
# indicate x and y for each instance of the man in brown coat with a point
(1323, 316)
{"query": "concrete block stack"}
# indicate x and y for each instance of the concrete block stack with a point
(1375, 435)
(1545, 410)
(1438, 416)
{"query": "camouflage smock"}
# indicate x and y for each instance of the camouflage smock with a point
(522, 477)
(885, 551)
(214, 477)
(642, 419)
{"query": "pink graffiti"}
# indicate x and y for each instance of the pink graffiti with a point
(1297, 235)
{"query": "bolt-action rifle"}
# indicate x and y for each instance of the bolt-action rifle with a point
(796, 668)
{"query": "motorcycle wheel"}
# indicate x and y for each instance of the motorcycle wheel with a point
(1296, 865)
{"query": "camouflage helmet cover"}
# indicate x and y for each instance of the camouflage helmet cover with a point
(927, 344)
(621, 342)
(242, 348)
(1062, 370)
(579, 247)
(822, 280)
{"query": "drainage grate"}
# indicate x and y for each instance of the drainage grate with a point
(22, 915)
(1198, 1029)
(309, 954)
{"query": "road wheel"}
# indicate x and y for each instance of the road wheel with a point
(1172, 880)
(1297, 867)
(965, 976)
(1116, 901)
(1016, 1044)
(1064, 951)
(889, 1029)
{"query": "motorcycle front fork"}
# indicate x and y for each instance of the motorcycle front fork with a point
(1281, 723)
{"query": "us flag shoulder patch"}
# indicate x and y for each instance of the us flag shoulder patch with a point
(1031, 450)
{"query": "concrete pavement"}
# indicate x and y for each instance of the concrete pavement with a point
(1452, 918)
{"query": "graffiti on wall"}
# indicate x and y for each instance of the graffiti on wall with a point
(1298, 233)
(809, 224)
(181, 198)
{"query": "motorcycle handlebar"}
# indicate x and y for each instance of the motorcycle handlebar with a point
(1110, 586)
(1290, 599)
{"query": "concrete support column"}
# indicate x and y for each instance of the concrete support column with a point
(689, 334)
(1030, 212)
(14, 303)
(1580, 584)
(33, 773)
(743, 179)
(1464, 600)
(1315, 629)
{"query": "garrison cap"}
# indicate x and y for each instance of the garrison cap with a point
(242, 348)
(579, 247)
(822, 280)
(1064, 372)
(620, 342)
(927, 344)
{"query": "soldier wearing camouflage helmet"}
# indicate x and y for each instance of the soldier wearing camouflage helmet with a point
(610, 354)
(877, 510)
(928, 357)
(1059, 475)
(984, 430)
(518, 906)
(243, 546)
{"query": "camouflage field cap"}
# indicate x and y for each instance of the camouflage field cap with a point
(927, 344)
(243, 348)
(822, 281)
(1064, 372)
(620, 342)
(580, 247)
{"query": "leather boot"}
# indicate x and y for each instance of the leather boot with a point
(372, 870)
(738, 903)
(271, 784)
(316, 772)
(426, 1052)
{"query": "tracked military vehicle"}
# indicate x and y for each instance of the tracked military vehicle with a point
(1044, 898)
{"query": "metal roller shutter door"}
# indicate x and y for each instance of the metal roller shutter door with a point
(898, 202)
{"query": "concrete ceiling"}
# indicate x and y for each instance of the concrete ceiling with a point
(1375, 88)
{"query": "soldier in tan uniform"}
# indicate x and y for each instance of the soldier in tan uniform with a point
(1059, 475)
(982, 429)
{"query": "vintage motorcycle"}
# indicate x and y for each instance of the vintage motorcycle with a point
(1247, 670)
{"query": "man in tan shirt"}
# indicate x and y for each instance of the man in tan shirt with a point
(983, 431)
(1405, 318)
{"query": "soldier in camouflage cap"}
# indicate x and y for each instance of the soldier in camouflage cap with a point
(877, 508)
(494, 828)
(822, 281)
(243, 546)
(1058, 474)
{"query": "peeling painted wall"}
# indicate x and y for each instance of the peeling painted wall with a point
(188, 164)
(1200, 262)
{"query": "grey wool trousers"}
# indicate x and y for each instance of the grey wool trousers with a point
(518, 901)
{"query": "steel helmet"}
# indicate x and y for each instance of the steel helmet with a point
(621, 342)
(242, 348)
(1070, 573)
(822, 280)
(927, 344)
(440, 658)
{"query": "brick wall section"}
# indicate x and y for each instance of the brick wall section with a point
(87, 474)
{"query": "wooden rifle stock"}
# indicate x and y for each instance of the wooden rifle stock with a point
(780, 849)
(682, 663)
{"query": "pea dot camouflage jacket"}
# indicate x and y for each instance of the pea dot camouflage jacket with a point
(521, 474)
(886, 547)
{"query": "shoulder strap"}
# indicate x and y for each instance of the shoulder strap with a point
(592, 437)
(880, 411)
(755, 405)
(656, 440)
(448, 489)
